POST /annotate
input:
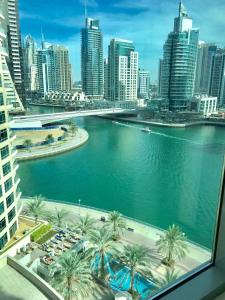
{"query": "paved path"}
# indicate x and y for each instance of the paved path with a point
(79, 139)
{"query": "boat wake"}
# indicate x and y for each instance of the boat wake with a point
(159, 133)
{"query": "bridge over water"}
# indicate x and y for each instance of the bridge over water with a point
(61, 116)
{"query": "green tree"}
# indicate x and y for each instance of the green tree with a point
(116, 224)
(73, 128)
(170, 276)
(72, 276)
(172, 245)
(28, 144)
(137, 259)
(58, 217)
(102, 249)
(85, 224)
(36, 207)
(49, 138)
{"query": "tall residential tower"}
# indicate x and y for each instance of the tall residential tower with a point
(13, 44)
(8, 181)
(179, 63)
(122, 70)
(92, 59)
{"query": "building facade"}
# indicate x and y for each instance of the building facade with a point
(207, 105)
(122, 71)
(92, 60)
(53, 69)
(206, 52)
(143, 83)
(179, 63)
(217, 80)
(13, 44)
(8, 180)
(30, 64)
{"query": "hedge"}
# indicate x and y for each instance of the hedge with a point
(36, 235)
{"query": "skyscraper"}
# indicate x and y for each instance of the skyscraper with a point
(92, 59)
(106, 78)
(62, 68)
(13, 44)
(179, 62)
(8, 182)
(123, 70)
(54, 69)
(30, 64)
(206, 52)
(217, 81)
(143, 83)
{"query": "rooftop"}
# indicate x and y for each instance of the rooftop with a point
(13, 286)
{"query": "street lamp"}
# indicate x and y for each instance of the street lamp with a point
(79, 205)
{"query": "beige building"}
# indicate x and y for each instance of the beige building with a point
(8, 180)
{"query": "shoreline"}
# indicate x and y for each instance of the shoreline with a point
(141, 233)
(160, 124)
(78, 140)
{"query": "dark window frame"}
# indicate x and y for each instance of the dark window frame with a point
(208, 281)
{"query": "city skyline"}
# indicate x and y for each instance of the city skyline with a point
(117, 20)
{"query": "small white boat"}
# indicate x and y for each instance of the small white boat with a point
(146, 129)
(115, 122)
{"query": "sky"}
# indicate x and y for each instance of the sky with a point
(146, 22)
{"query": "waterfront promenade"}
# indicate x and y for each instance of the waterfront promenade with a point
(70, 143)
(139, 233)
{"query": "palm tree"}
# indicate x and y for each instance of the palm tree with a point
(172, 245)
(72, 275)
(170, 276)
(28, 144)
(85, 224)
(60, 216)
(49, 138)
(73, 128)
(102, 249)
(116, 223)
(136, 258)
(36, 207)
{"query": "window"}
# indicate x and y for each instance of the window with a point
(3, 241)
(2, 224)
(2, 117)
(3, 135)
(0, 190)
(11, 214)
(1, 207)
(8, 184)
(6, 168)
(10, 200)
(13, 229)
(4, 152)
(1, 99)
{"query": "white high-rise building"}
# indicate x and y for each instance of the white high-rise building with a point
(123, 70)
(30, 64)
(8, 182)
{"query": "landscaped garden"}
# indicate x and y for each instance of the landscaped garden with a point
(79, 256)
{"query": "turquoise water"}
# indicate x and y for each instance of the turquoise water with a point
(169, 176)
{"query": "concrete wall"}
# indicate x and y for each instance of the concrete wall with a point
(37, 281)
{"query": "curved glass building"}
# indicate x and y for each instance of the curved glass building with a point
(179, 63)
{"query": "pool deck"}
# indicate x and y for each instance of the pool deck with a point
(142, 234)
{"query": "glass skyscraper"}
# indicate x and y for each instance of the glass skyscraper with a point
(179, 63)
(92, 59)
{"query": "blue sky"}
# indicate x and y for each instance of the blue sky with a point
(146, 22)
